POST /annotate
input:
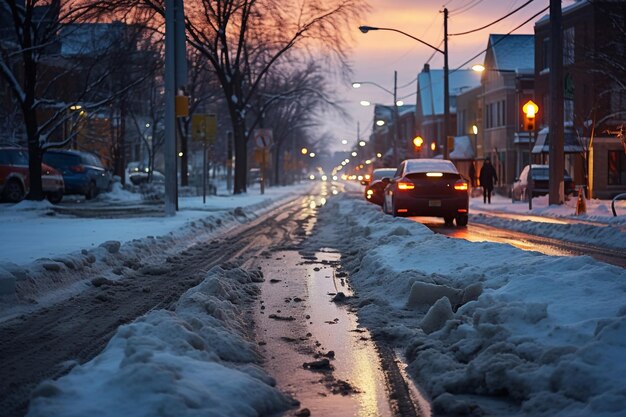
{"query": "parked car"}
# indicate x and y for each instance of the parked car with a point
(83, 172)
(374, 190)
(540, 178)
(15, 180)
(427, 187)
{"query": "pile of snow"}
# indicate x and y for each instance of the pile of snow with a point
(50, 256)
(195, 360)
(598, 227)
(487, 328)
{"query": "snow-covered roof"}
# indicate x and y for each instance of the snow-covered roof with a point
(90, 38)
(430, 88)
(463, 149)
(512, 52)
(571, 144)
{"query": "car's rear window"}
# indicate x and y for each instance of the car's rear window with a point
(90, 159)
(61, 160)
(430, 166)
(380, 174)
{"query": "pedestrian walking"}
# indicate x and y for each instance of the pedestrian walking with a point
(487, 179)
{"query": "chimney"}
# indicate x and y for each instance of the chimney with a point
(426, 68)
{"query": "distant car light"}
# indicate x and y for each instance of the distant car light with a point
(335, 178)
(405, 186)
(369, 193)
(324, 178)
(360, 178)
(311, 177)
(368, 176)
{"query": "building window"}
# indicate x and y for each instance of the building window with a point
(568, 46)
(498, 113)
(545, 53)
(617, 168)
(568, 110)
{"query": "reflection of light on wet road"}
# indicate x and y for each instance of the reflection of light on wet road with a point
(356, 360)
(482, 233)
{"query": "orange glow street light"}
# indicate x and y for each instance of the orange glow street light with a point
(530, 110)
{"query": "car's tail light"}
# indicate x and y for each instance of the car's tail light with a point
(370, 192)
(403, 210)
(461, 185)
(77, 168)
(434, 174)
(405, 186)
(462, 210)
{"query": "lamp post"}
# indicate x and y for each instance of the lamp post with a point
(395, 116)
(446, 75)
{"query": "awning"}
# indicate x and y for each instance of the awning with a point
(571, 144)
(521, 138)
(463, 149)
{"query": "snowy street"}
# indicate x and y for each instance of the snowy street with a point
(309, 299)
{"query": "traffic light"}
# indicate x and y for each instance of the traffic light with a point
(530, 110)
(418, 142)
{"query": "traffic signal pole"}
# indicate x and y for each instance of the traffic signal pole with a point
(556, 155)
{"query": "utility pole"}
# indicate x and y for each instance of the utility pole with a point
(396, 128)
(556, 156)
(175, 77)
(446, 86)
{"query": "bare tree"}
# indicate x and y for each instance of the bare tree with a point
(45, 81)
(244, 39)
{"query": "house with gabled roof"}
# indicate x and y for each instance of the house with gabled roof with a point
(430, 109)
(507, 83)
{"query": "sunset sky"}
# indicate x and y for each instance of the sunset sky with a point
(377, 54)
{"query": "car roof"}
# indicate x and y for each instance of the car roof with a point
(429, 165)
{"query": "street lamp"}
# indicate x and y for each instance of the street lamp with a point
(396, 103)
(446, 75)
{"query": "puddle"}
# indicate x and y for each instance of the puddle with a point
(299, 324)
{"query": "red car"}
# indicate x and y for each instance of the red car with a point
(14, 180)
(374, 190)
(428, 187)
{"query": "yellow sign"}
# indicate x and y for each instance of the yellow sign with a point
(204, 128)
(182, 106)
(450, 143)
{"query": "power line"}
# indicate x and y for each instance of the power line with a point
(499, 40)
(494, 22)
(465, 8)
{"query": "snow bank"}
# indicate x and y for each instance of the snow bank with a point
(193, 361)
(64, 266)
(488, 328)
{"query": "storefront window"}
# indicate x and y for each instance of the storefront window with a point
(617, 168)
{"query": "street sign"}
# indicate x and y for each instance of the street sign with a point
(263, 138)
(204, 128)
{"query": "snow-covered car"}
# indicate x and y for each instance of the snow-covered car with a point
(374, 190)
(15, 181)
(428, 187)
(142, 177)
(540, 178)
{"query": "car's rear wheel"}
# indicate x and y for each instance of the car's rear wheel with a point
(13, 191)
(448, 220)
(92, 191)
(55, 197)
(461, 220)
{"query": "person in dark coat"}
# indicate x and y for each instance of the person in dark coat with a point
(487, 178)
(472, 175)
